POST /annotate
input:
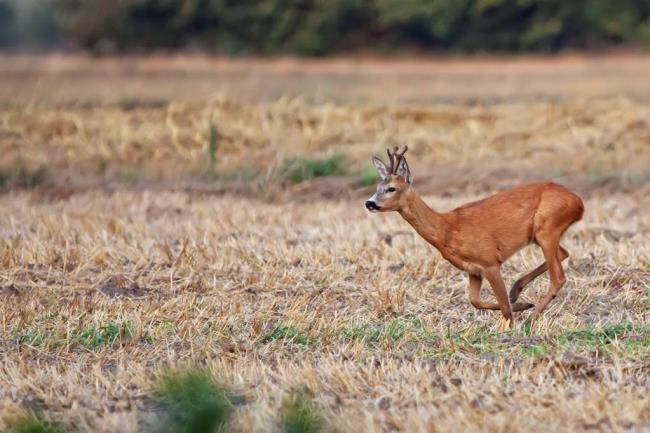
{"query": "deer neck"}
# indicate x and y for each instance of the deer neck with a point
(428, 223)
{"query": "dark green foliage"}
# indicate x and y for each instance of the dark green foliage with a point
(301, 168)
(38, 26)
(317, 27)
(7, 24)
(28, 23)
(35, 423)
(300, 415)
(509, 25)
(192, 402)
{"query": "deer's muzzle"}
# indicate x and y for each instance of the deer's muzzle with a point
(371, 205)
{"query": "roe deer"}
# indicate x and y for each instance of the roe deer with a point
(479, 236)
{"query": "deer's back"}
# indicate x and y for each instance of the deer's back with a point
(507, 221)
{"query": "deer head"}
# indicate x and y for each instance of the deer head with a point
(396, 180)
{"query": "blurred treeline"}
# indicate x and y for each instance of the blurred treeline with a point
(320, 27)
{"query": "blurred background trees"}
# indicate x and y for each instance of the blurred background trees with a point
(319, 27)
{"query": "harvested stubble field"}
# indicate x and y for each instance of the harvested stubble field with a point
(129, 242)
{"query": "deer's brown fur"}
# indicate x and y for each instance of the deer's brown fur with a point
(479, 237)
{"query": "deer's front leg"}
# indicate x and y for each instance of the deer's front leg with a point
(493, 275)
(475, 294)
(475, 297)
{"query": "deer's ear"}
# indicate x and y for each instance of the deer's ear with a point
(380, 166)
(404, 171)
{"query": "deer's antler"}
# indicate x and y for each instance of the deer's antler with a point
(391, 159)
(395, 158)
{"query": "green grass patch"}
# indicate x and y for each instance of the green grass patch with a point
(368, 333)
(131, 175)
(213, 146)
(405, 328)
(626, 338)
(95, 338)
(595, 336)
(191, 402)
(35, 423)
(300, 415)
(33, 338)
(302, 168)
(246, 173)
(20, 176)
(134, 103)
(369, 176)
(289, 333)
(535, 350)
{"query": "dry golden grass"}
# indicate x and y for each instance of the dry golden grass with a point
(105, 279)
(582, 143)
(298, 296)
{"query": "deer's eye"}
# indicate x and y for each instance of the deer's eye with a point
(391, 189)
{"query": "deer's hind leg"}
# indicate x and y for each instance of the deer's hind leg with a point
(552, 252)
(522, 282)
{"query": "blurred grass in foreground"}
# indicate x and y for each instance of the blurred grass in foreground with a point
(300, 415)
(192, 402)
(35, 423)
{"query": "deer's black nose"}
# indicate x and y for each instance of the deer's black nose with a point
(371, 205)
